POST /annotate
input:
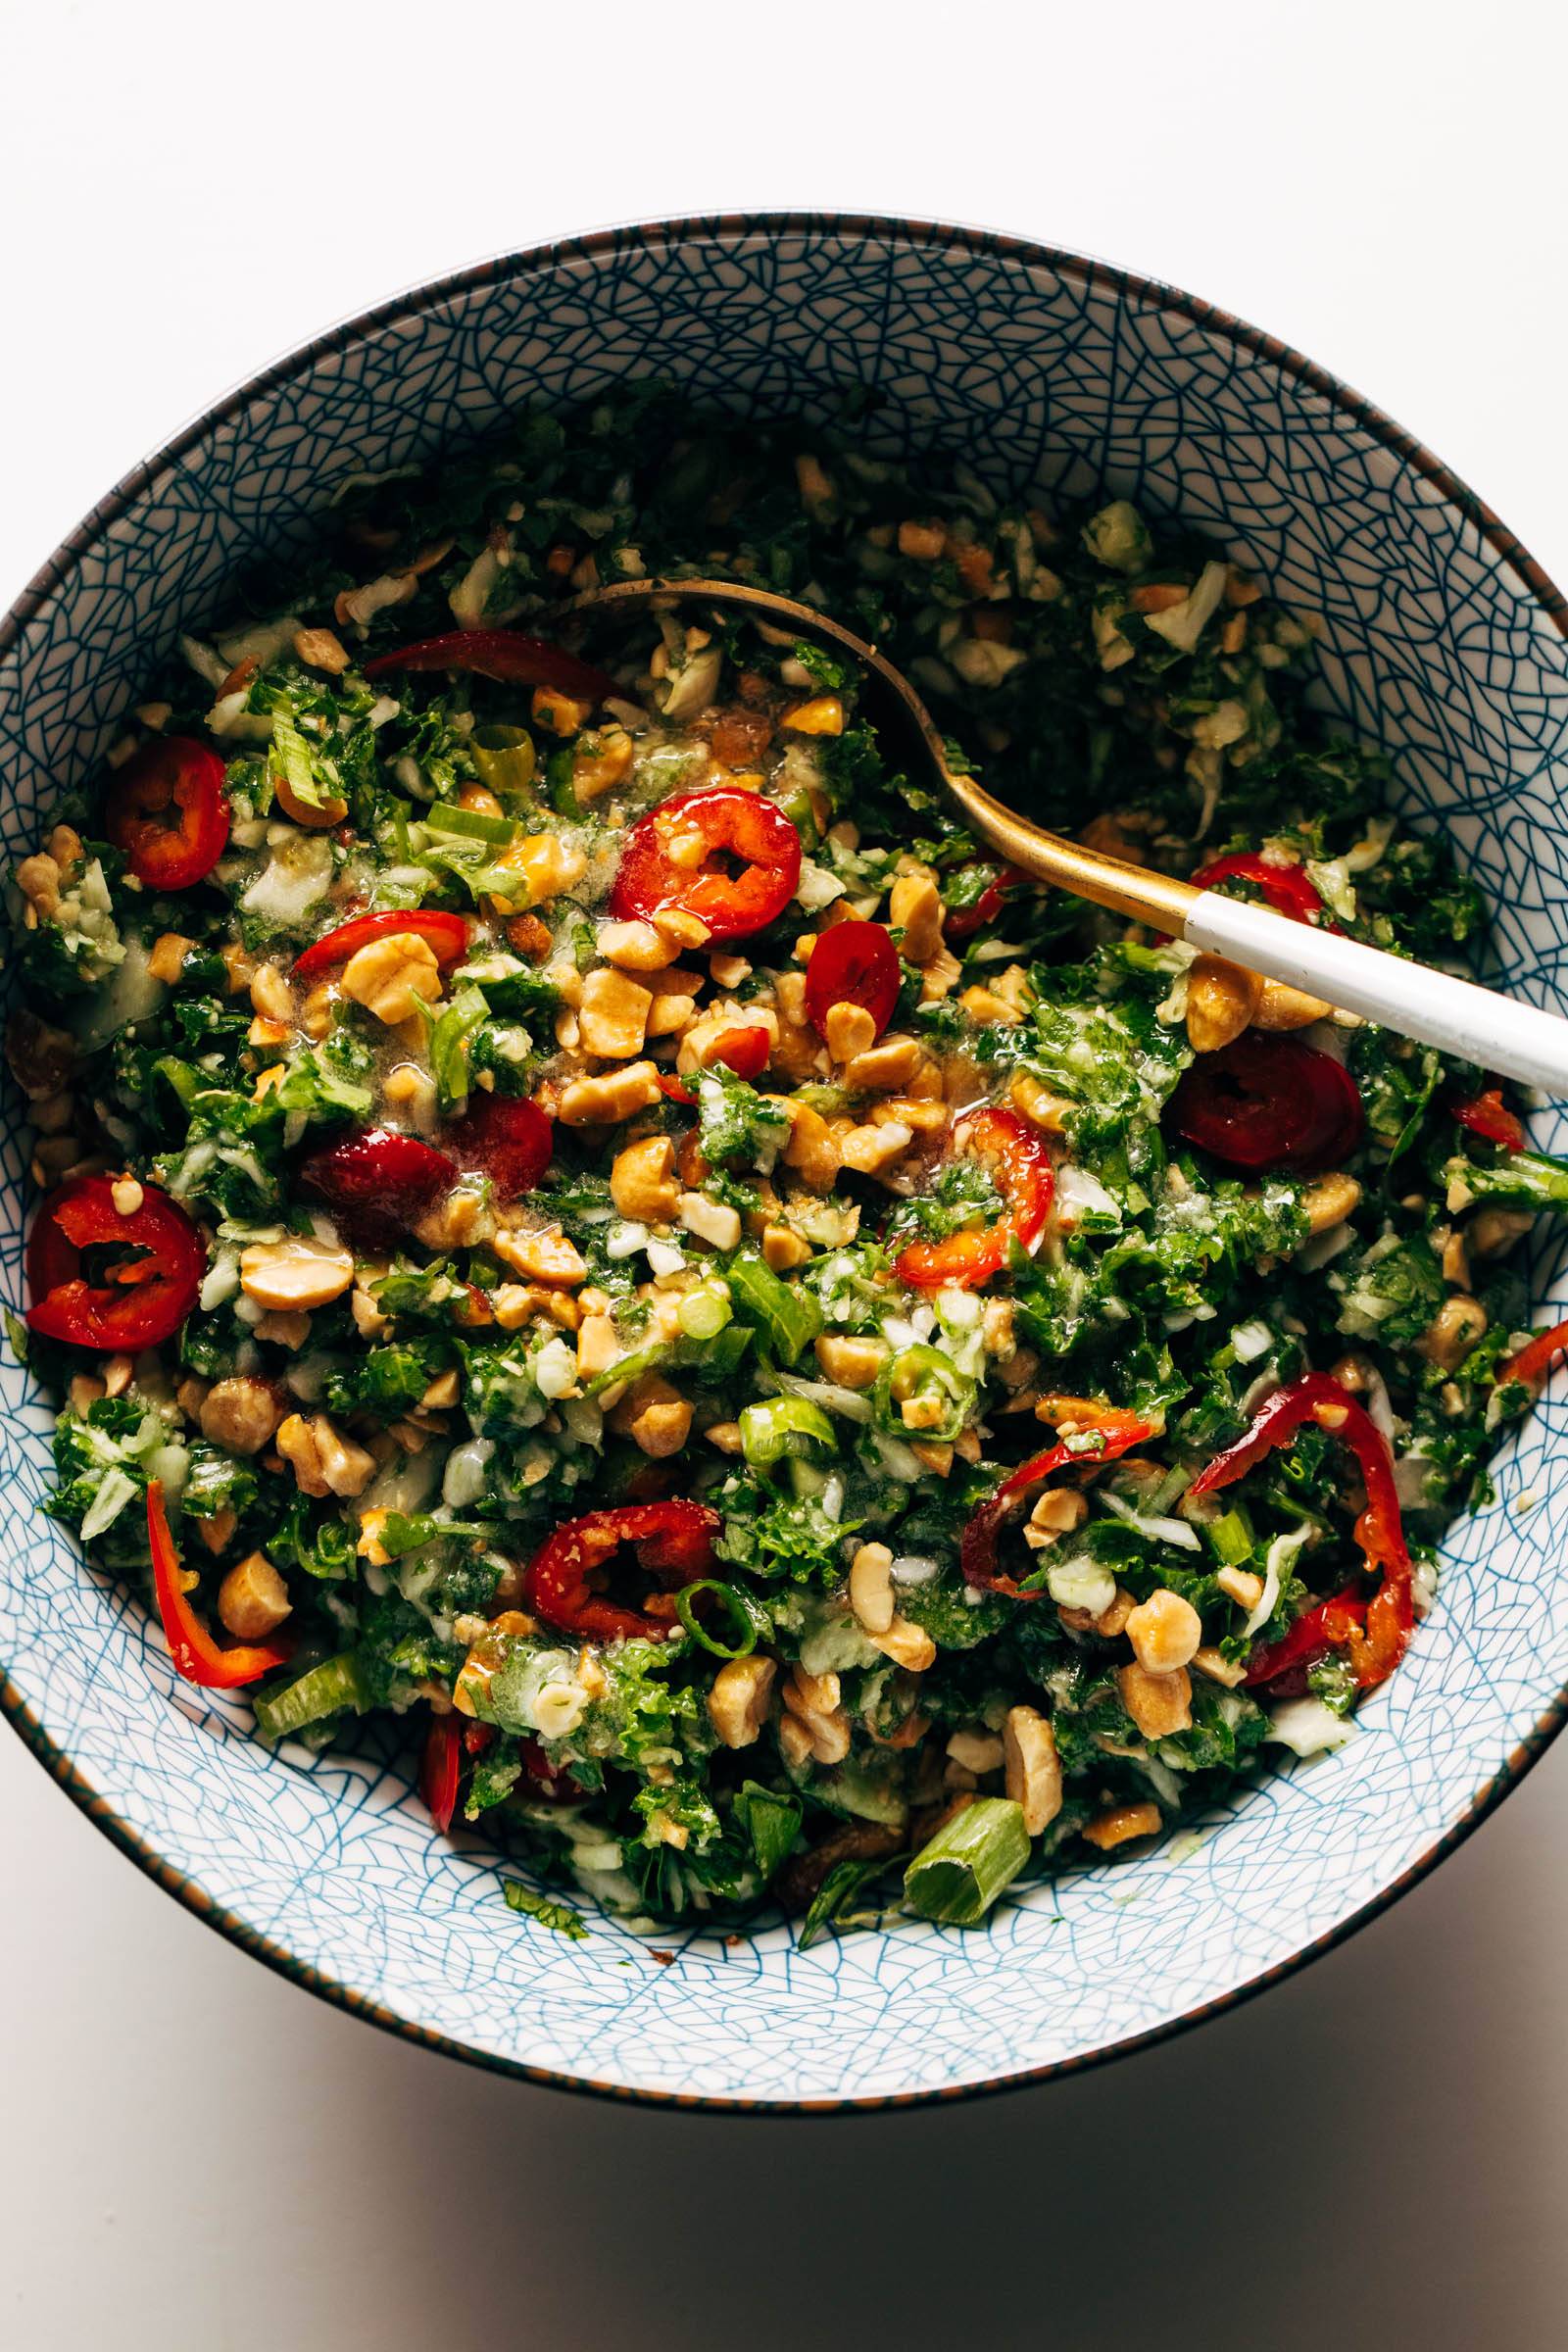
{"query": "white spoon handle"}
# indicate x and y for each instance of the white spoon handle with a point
(1498, 1032)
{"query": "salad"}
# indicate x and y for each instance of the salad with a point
(585, 1216)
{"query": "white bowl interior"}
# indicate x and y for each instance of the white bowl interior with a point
(1049, 373)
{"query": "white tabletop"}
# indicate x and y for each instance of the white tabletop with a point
(197, 2154)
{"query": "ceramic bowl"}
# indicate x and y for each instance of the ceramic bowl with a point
(1444, 643)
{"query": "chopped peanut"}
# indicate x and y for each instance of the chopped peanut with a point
(871, 1588)
(1038, 1104)
(812, 1150)
(1454, 1329)
(323, 1462)
(1033, 1767)
(558, 712)
(635, 947)
(655, 1416)
(915, 906)
(1329, 1201)
(1159, 1704)
(908, 1645)
(1282, 1008)
(614, 1015)
(240, 1414)
(168, 959)
(253, 1599)
(387, 976)
(978, 1753)
(814, 1724)
(603, 1101)
(642, 1182)
(1059, 1511)
(985, 1006)
(872, 1149)
(1121, 1823)
(736, 1703)
(1241, 1586)
(543, 866)
(319, 648)
(922, 542)
(1165, 1631)
(890, 1063)
(849, 1030)
(462, 1221)
(546, 1257)
(851, 1364)
(711, 1220)
(270, 993)
(1221, 1000)
(783, 1250)
(295, 1273)
(597, 1345)
(823, 714)
(596, 771)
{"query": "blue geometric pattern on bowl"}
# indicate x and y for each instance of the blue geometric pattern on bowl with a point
(1442, 642)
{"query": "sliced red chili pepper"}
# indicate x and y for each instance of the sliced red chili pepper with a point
(720, 828)
(1535, 1357)
(197, 1657)
(1331, 1625)
(1075, 1414)
(503, 655)
(1489, 1117)
(1380, 1530)
(137, 1301)
(962, 923)
(440, 1769)
(505, 1138)
(552, 1782)
(674, 1539)
(1284, 888)
(169, 811)
(1025, 1179)
(1269, 1101)
(379, 1183)
(743, 1050)
(977, 1550)
(447, 934)
(853, 963)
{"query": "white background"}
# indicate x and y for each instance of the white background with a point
(196, 2154)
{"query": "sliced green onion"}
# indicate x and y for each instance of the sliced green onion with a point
(182, 1082)
(803, 816)
(957, 1877)
(832, 1907)
(703, 1312)
(560, 788)
(471, 823)
(921, 1371)
(449, 1044)
(1231, 1537)
(628, 1367)
(504, 757)
(559, 1916)
(778, 1426)
(748, 1622)
(320, 1691)
(788, 1316)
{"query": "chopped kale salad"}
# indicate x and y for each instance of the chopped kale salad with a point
(585, 1216)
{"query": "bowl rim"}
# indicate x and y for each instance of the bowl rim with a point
(427, 295)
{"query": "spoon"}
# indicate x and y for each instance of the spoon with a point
(1496, 1031)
